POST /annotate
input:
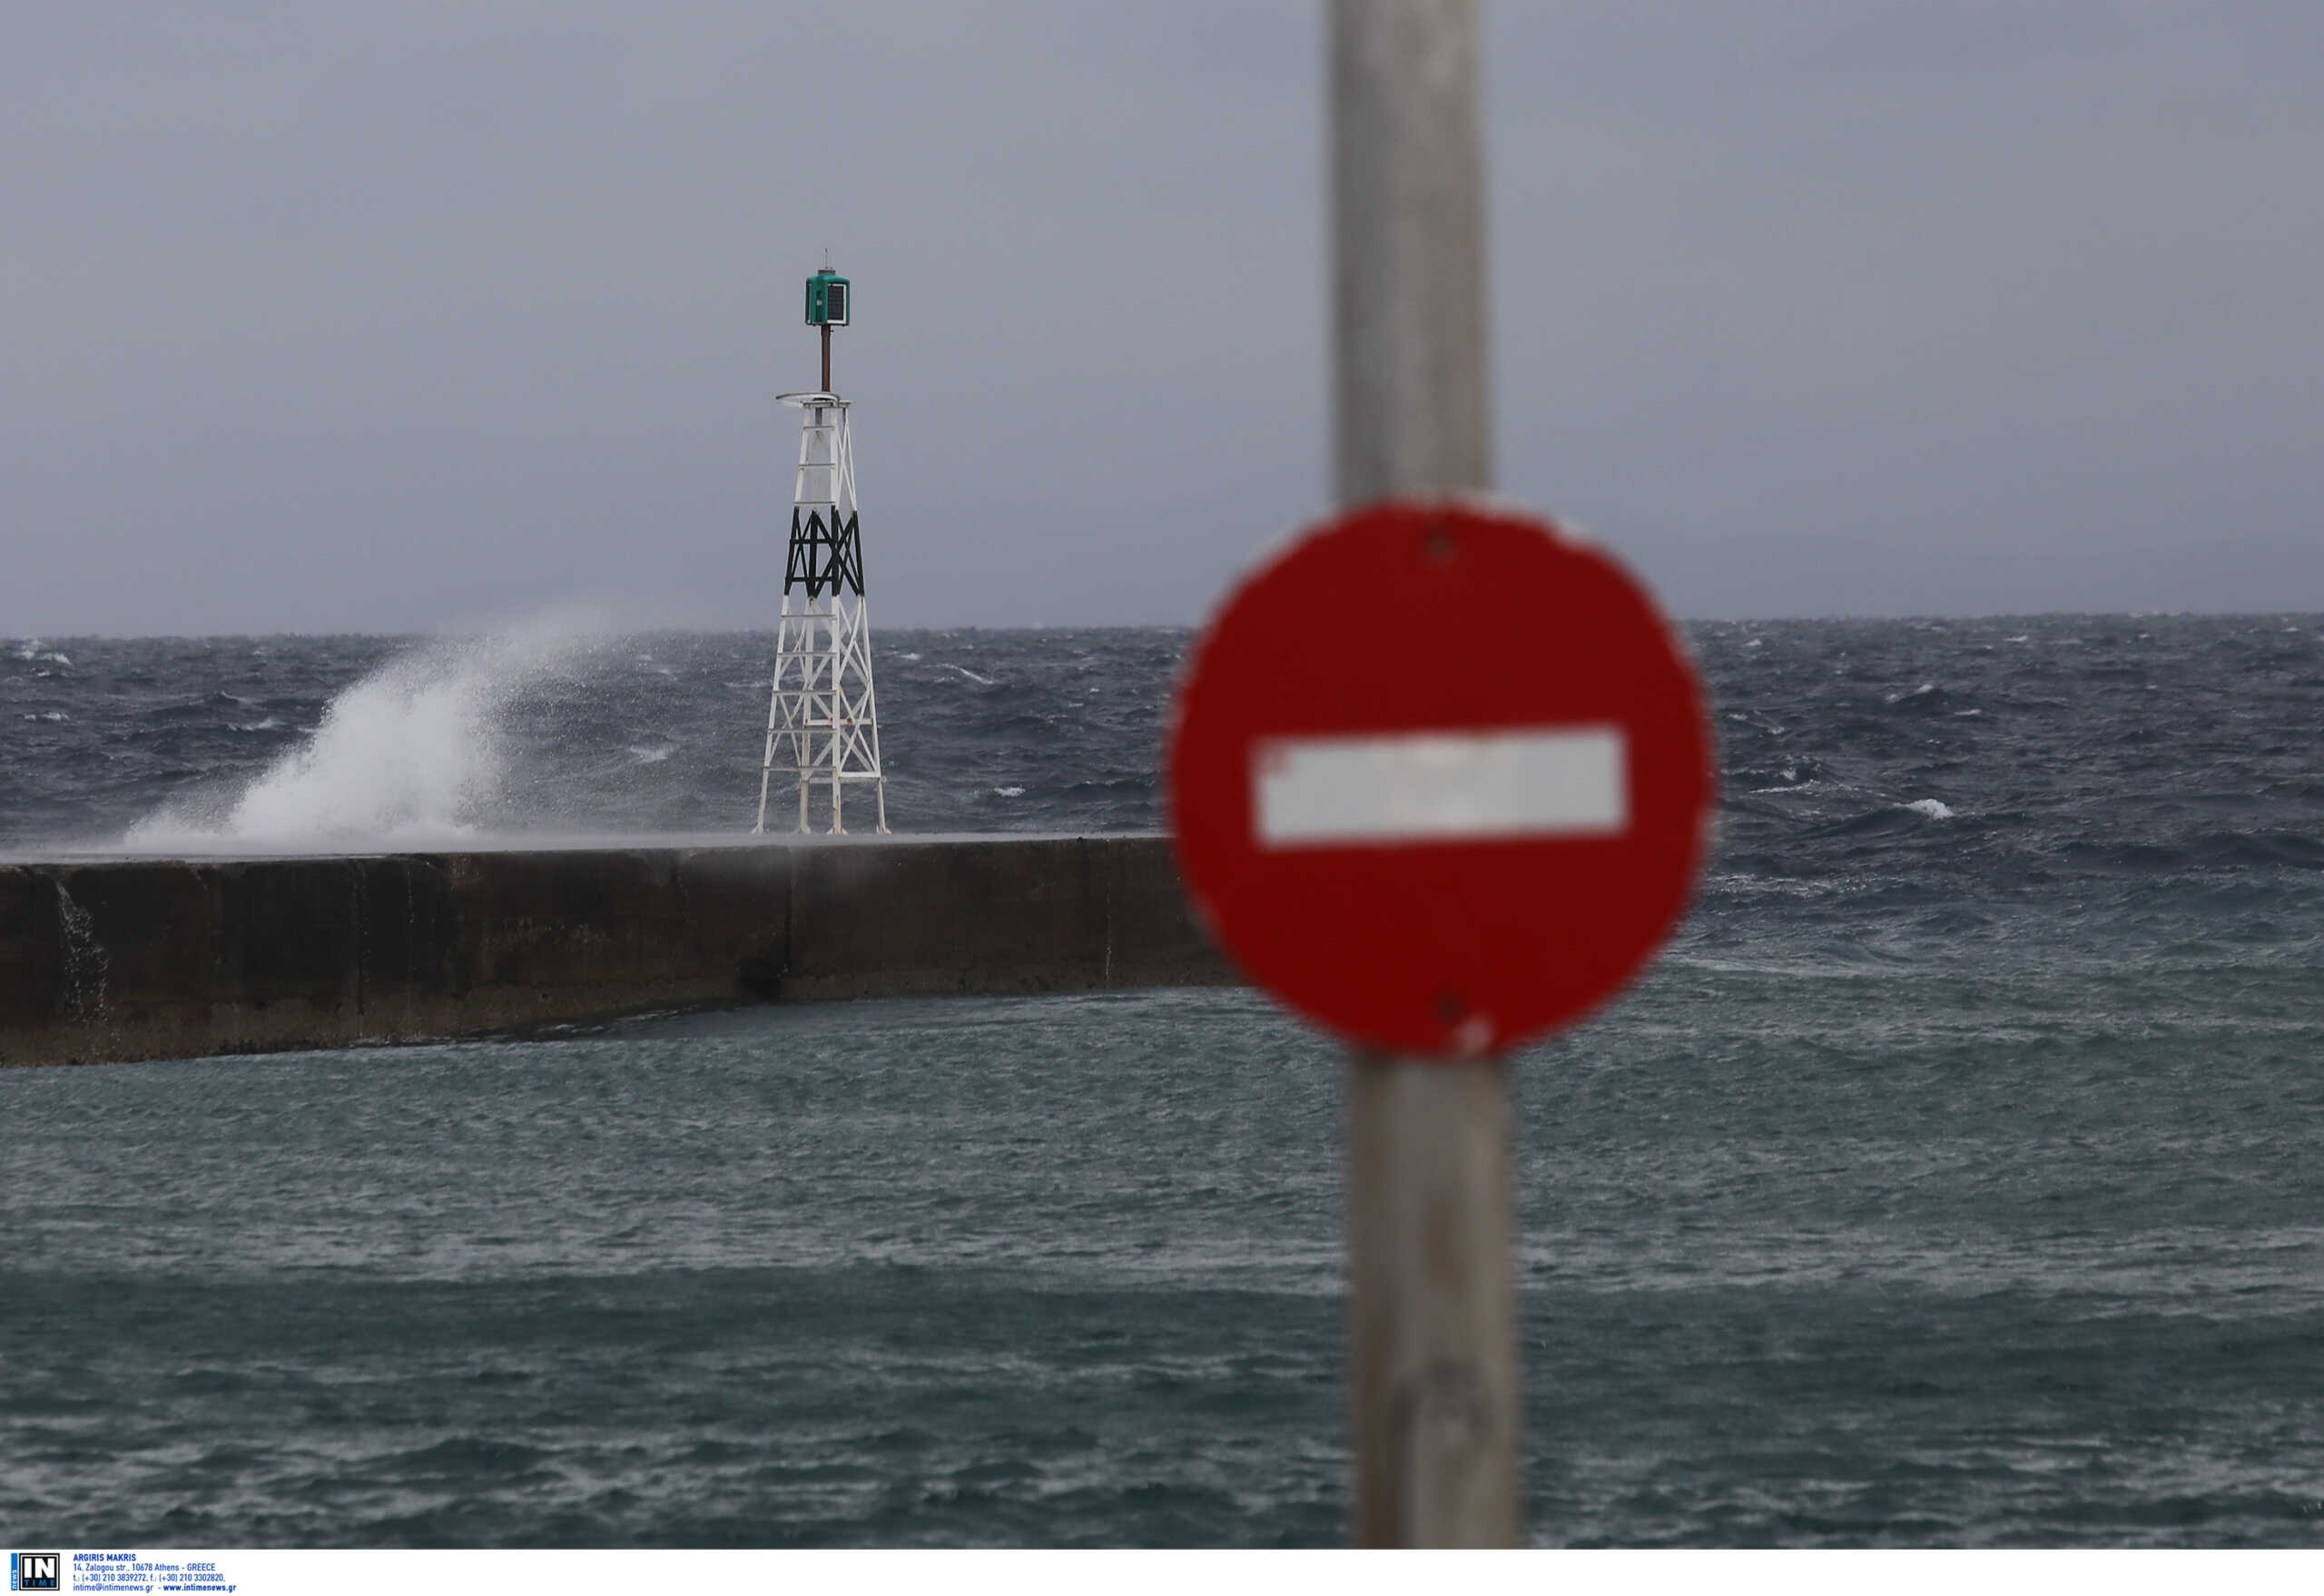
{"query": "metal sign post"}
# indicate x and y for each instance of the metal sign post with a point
(1437, 865)
(1431, 1318)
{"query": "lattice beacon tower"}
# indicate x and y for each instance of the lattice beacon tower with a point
(822, 728)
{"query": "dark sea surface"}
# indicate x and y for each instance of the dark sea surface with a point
(1956, 1177)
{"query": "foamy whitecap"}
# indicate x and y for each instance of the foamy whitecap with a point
(1930, 807)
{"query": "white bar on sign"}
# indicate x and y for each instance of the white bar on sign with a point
(1424, 786)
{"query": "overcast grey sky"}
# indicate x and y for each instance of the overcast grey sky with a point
(399, 317)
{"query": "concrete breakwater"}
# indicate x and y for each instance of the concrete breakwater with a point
(128, 958)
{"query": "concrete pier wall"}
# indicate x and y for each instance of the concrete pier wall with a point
(164, 959)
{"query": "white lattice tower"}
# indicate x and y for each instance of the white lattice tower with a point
(822, 724)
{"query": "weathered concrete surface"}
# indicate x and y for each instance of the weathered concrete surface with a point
(164, 959)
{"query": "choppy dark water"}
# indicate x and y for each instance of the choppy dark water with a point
(981, 731)
(1955, 1178)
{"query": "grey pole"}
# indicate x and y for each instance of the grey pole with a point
(1432, 1319)
(1408, 218)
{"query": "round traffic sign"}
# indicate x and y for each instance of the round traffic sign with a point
(1440, 777)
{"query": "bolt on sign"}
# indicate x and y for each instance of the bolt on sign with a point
(1441, 777)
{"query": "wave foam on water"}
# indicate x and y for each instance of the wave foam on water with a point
(413, 753)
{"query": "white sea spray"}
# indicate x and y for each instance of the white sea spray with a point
(412, 753)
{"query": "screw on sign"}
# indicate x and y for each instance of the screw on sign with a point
(1451, 831)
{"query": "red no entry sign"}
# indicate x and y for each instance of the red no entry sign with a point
(1440, 777)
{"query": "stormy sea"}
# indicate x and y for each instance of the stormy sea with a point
(1955, 1178)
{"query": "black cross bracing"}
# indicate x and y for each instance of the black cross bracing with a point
(825, 557)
